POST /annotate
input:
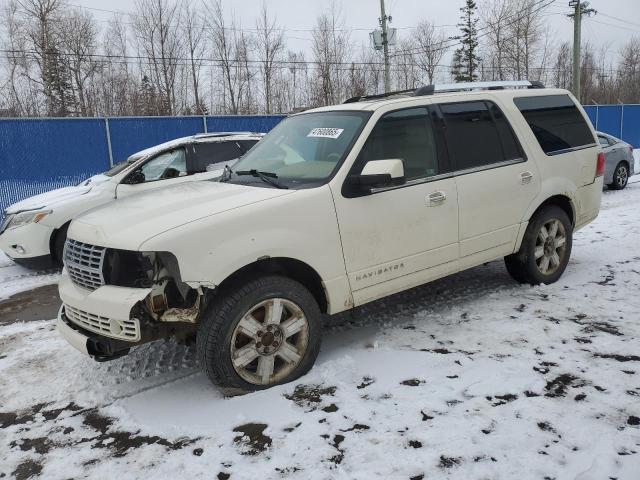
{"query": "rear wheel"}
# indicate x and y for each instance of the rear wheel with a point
(545, 249)
(620, 176)
(264, 333)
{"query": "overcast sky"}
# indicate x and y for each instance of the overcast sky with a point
(298, 17)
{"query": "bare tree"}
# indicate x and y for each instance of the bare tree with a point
(495, 16)
(194, 29)
(430, 48)
(330, 44)
(230, 47)
(158, 34)
(270, 44)
(78, 38)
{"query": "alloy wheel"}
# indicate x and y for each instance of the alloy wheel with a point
(550, 246)
(269, 341)
(622, 175)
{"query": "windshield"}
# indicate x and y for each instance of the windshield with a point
(119, 167)
(303, 150)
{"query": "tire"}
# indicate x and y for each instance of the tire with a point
(620, 177)
(528, 264)
(58, 245)
(227, 335)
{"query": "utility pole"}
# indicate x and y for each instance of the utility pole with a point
(580, 8)
(385, 46)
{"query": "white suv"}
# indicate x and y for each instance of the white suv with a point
(336, 207)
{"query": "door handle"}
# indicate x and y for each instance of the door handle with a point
(436, 198)
(526, 177)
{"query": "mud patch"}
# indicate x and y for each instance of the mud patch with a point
(120, 442)
(366, 381)
(448, 462)
(558, 386)
(27, 469)
(306, 396)
(253, 440)
(412, 382)
(619, 358)
(504, 399)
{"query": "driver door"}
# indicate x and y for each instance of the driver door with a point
(399, 237)
(163, 170)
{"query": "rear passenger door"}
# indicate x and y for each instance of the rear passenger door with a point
(495, 181)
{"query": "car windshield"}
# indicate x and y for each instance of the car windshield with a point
(119, 167)
(303, 150)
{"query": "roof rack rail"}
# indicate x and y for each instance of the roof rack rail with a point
(452, 87)
(379, 96)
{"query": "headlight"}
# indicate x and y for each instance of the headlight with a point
(24, 218)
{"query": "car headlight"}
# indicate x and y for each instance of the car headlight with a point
(24, 218)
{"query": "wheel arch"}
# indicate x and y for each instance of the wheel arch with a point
(561, 201)
(52, 239)
(291, 268)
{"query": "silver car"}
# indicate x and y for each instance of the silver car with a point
(618, 160)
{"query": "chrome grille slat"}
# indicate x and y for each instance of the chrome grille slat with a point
(84, 263)
(102, 325)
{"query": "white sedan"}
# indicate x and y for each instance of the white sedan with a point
(34, 230)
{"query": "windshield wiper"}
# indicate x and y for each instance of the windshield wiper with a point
(267, 177)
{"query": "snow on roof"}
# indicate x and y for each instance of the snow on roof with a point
(197, 138)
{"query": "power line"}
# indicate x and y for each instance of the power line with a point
(489, 25)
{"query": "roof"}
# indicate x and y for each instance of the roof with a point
(198, 138)
(447, 92)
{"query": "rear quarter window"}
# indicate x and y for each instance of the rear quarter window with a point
(556, 123)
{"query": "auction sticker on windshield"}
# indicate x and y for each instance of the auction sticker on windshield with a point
(326, 132)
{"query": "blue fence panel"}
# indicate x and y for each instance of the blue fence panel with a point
(130, 135)
(609, 117)
(592, 111)
(38, 155)
(254, 123)
(631, 125)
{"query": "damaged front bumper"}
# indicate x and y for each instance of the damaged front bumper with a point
(105, 323)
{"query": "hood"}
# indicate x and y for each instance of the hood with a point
(49, 199)
(128, 222)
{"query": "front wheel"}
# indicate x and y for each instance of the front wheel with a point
(620, 177)
(264, 333)
(545, 250)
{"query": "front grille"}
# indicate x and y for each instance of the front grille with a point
(128, 330)
(84, 264)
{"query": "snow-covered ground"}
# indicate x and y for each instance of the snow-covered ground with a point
(15, 279)
(472, 376)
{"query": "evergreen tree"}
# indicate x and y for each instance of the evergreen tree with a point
(464, 67)
(149, 99)
(57, 83)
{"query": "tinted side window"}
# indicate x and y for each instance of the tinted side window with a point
(405, 134)
(246, 145)
(472, 135)
(556, 122)
(208, 154)
(510, 144)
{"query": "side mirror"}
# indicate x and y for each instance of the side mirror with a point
(378, 174)
(135, 177)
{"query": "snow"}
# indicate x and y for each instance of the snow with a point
(15, 279)
(472, 376)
